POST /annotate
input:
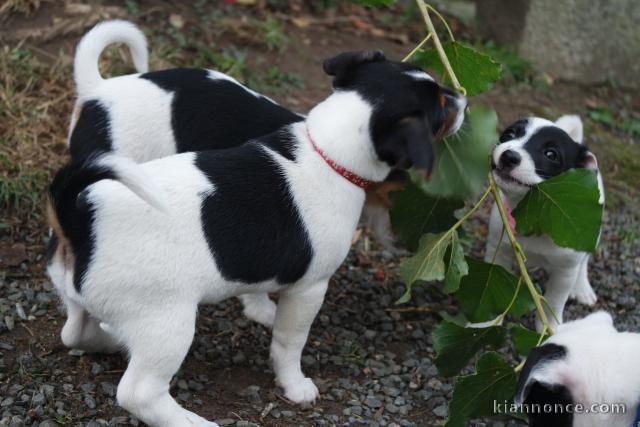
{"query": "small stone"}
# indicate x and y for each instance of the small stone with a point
(441, 411)
(391, 408)
(8, 401)
(308, 360)
(182, 385)
(90, 402)
(20, 312)
(108, 388)
(6, 346)
(372, 402)
(75, 352)
(238, 358)
(96, 368)
(226, 422)
(38, 399)
(50, 423)
(288, 414)
(9, 322)
(369, 334)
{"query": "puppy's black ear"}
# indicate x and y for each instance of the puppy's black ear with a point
(556, 396)
(409, 143)
(341, 65)
(538, 356)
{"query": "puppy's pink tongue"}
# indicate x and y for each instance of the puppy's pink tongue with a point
(510, 218)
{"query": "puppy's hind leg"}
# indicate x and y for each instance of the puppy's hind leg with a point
(83, 332)
(297, 307)
(259, 308)
(158, 341)
(582, 290)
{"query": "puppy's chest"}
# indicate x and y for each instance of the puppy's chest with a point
(541, 250)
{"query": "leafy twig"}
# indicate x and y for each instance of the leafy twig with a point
(519, 255)
(424, 9)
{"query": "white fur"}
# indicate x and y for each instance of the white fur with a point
(567, 268)
(150, 269)
(419, 75)
(85, 67)
(572, 125)
(601, 366)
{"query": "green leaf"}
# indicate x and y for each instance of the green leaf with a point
(565, 208)
(462, 161)
(475, 71)
(474, 395)
(456, 345)
(413, 213)
(457, 266)
(486, 292)
(427, 264)
(523, 339)
(374, 2)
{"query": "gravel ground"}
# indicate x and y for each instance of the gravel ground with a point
(371, 360)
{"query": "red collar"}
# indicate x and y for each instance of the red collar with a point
(349, 176)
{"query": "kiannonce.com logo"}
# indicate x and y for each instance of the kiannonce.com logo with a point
(506, 407)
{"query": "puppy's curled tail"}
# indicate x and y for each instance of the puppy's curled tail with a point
(69, 208)
(86, 71)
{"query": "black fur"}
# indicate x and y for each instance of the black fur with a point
(91, 135)
(405, 108)
(250, 221)
(210, 114)
(568, 153)
(514, 131)
(539, 394)
(75, 213)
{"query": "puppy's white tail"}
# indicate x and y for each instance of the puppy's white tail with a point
(86, 71)
(132, 176)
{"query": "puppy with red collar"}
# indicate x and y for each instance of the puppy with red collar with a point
(150, 115)
(587, 362)
(142, 245)
(531, 151)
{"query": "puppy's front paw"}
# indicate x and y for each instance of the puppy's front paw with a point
(584, 295)
(197, 421)
(301, 392)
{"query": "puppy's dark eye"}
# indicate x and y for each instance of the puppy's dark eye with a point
(551, 155)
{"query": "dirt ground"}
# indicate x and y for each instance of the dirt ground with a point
(36, 92)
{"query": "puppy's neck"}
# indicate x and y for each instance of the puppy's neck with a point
(340, 127)
(512, 199)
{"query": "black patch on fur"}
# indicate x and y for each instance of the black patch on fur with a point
(408, 112)
(210, 114)
(553, 396)
(540, 393)
(514, 131)
(91, 135)
(569, 153)
(75, 213)
(251, 223)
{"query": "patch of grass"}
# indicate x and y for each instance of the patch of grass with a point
(272, 33)
(619, 161)
(25, 7)
(605, 116)
(35, 105)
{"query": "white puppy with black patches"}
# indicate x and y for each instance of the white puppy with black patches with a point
(530, 151)
(140, 246)
(586, 362)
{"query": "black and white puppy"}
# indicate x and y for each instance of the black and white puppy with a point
(531, 151)
(587, 362)
(150, 115)
(141, 245)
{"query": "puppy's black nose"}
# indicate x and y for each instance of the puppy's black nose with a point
(509, 160)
